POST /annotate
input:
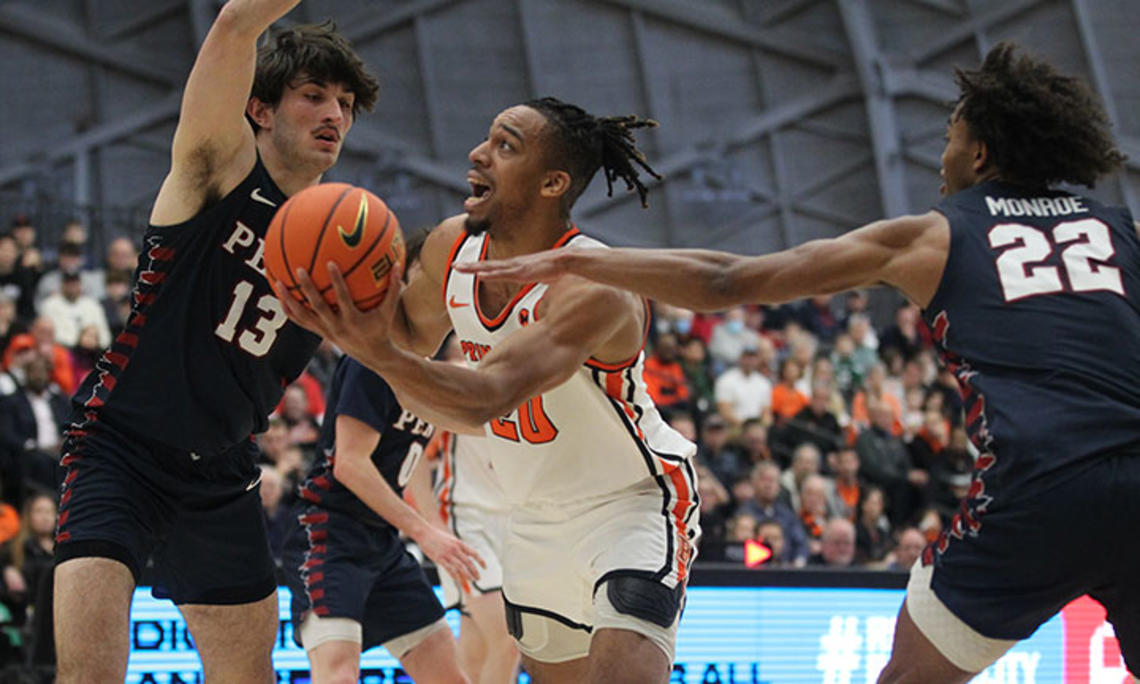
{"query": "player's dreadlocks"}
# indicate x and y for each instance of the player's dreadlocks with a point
(1041, 126)
(584, 142)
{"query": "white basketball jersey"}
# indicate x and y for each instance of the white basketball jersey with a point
(594, 434)
(466, 476)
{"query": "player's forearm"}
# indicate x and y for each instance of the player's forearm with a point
(690, 278)
(449, 396)
(419, 489)
(363, 480)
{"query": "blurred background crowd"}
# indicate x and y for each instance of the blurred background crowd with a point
(831, 441)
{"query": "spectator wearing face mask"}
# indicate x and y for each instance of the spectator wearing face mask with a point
(730, 338)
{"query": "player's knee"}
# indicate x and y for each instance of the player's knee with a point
(645, 599)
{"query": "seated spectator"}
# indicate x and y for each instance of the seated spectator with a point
(744, 392)
(122, 257)
(817, 316)
(771, 534)
(930, 524)
(814, 424)
(91, 283)
(730, 338)
(682, 422)
(766, 505)
(875, 388)
(903, 335)
(909, 549)
(273, 441)
(664, 376)
(866, 353)
(872, 529)
(813, 510)
(85, 353)
(41, 339)
(884, 461)
(715, 450)
(116, 302)
(753, 443)
(715, 507)
(848, 374)
(805, 461)
(9, 518)
(787, 401)
(303, 426)
(837, 545)
(71, 310)
(10, 326)
(698, 376)
(848, 487)
(742, 527)
(17, 282)
(34, 544)
(31, 423)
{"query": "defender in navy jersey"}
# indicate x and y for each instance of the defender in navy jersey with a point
(354, 584)
(159, 458)
(1033, 296)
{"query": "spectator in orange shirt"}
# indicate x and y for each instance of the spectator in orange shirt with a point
(873, 387)
(42, 338)
(664, 375)
(845, 497)
(786, 399)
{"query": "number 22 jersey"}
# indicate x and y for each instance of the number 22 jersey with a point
(1038, 317)
(596, 433)
(207, 350)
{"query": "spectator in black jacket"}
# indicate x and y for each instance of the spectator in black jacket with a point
(31, 422)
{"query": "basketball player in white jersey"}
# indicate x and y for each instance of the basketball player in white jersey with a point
(603, 492)
(469, 502)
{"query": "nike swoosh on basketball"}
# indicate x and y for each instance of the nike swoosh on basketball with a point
(454, 304)
(256, 196)
(353, 239)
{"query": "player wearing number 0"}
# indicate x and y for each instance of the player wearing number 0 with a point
(159, 461)
(354, 584)
(604, 506)
(1033, 297)
(469, 500)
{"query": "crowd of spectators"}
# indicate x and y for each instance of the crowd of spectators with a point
(830, 442)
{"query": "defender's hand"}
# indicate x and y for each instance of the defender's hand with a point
(542, 267)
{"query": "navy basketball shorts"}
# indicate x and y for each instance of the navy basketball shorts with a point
(339, 567)
(1033, 554)
(198, 518)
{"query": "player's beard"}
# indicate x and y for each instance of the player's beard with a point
(475, 227)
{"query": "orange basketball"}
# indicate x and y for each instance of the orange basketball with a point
(340, 223)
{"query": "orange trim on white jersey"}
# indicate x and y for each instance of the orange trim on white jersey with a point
(450, 260)
(493, 323)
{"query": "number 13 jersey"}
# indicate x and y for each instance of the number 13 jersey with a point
(597, 433)
(207, 350)
(1038, 317)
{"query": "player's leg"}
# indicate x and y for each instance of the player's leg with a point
(500, 654)
(915, 659)
(621, 655)
(568, 672)
(429, 654)
(333, 648)
(109, 511)
(92, 597)
(635, 623)
(472, 647)
(216, 566)
(235, 642)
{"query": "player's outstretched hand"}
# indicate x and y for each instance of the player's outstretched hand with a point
(542, 267)
(449, 553)
(358, 333)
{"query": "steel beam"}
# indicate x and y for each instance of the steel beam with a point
(152, 13)
(885, 139)
(369, 23)
(705, 18)
(997, 12)
(33, 25)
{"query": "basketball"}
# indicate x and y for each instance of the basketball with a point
(336, 222)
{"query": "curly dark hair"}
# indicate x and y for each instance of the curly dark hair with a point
(1041, 126)
(315, 50)
(584, 143)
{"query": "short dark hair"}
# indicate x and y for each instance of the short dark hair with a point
(1042, 127)
(315, 50)
(584, 143)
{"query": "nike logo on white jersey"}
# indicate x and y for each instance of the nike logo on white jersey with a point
(256, 196)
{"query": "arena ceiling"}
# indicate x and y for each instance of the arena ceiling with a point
(781, 120)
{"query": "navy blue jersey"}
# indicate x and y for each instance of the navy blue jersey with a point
(1038, 316)
(359, 393)
(207, 349)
